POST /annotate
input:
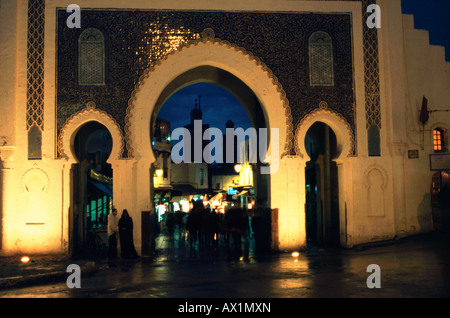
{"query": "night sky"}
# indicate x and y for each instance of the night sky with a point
(218, 105)
(431, 15)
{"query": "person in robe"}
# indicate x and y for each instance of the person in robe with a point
(126, 236)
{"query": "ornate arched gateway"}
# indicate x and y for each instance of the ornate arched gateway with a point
(144, 69)
(196, 62)
(209, 58)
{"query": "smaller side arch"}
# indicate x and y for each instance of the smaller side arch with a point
(375, 182)
(379, 169)
(342, 130)
(74, 123)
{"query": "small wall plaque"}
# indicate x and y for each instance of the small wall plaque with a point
(413, 154)
(440, 162)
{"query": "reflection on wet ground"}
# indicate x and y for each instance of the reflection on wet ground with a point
(220, 247)
(413, 268)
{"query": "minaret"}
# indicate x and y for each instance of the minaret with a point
(196, 113)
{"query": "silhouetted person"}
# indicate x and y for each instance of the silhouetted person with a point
(179, 222)
(170, 224)
(234, 227)
(193, 224)
(126, 236)
(112, 234)
(214, 227)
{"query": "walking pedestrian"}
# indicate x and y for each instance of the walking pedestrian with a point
(234, 227)
(193, 224)
(170, 225)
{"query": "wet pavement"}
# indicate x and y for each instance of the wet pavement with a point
(417, 266)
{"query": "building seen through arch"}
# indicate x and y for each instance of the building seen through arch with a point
(215, 181)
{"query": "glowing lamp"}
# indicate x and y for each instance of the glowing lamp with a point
(295, 254)
(25, 259)
(237, 168)
(159, 172)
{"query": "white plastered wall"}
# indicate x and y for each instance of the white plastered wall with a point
(427, 74)
(402, 65)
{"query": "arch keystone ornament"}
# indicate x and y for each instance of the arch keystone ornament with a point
(208, 34)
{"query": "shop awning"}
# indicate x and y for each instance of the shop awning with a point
(179, 198)
(163, 188)
(103, 187)
(187, 189)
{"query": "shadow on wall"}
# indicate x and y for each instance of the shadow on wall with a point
(424, 216)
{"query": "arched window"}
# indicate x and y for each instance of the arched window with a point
(91, 58)
(321, 72)
(438, 140)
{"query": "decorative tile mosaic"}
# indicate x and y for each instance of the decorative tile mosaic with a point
(134, 40)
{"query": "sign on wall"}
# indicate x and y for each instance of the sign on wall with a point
(413, 154)
(439, 162)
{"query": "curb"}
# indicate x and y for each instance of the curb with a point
(43, 278)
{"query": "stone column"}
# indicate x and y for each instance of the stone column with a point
(288, 196)
(6, 176)
(398, 169)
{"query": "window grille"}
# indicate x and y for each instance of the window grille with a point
(321, 72)
(91, 59)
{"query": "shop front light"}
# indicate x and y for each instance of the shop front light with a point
(159, 172)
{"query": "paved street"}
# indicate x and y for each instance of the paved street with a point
(413, 267)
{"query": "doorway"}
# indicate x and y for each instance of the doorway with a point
(218, 100)
(322, 192)
(91, 189)
(439, 182)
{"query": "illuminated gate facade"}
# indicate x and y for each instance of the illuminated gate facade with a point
(306, 62)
